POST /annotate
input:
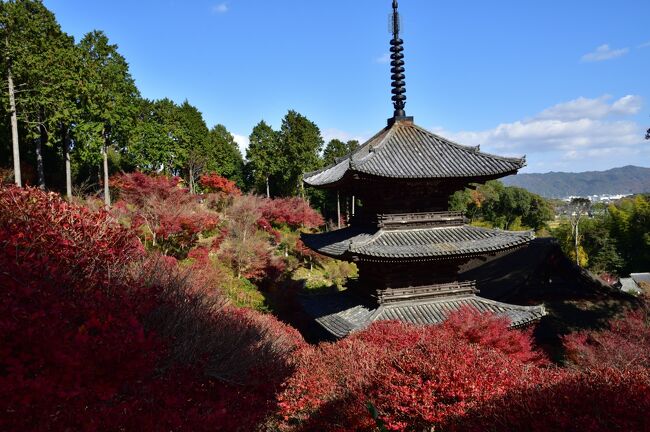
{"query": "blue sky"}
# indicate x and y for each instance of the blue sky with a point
(564, 82)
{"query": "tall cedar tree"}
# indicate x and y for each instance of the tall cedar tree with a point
(192, 142)
(300, 143)
(39, 73)
(263, 156)
(108, 96)
(152, 143)
(224, 155)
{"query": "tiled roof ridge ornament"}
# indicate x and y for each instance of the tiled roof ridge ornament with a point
(397, 70)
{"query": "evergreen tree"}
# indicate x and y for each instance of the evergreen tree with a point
(153, 139)
(39, 66)
(337, 149)
(300, 143)
(192, 143)
(108, 100)
(225, 158)
(263, 156)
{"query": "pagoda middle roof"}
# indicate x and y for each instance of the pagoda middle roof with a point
(371, 242)
(407, 151)
(342, 313)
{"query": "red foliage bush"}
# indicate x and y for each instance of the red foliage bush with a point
(416, 377)
(568, 401)
(625, 345)
(80, 350)
(491, 331)
(213, 182)
(292, 212)
(169, 217)
(72, 242)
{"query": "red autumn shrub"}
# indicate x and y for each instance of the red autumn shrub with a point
(246, 248)
(72, 241)
(169, 217)
(492, 331)
(213, 182)
(568, 401)
(624, 345)
(416, 377)
(305, 254)
(292, 212)
(83, 347)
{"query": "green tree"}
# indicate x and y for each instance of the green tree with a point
(39, 70)
(629, 226)
(337, 149)
(263, 156)
(193, 143)
(502, 206)
(153, 141)
(300, 143)
(225, 158)
(108, 100)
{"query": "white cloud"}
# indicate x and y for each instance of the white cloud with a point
(243, 142)
(330, 134)
(582, 129)
(220, 8)
(628, 105)
(604, 52)
(383, 59)
(592, 108)
(644, 45)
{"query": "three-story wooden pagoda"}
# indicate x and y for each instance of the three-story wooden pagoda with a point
(408, 247)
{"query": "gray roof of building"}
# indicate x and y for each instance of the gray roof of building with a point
(342, 313)
(640, 277)
(629, 285)
(405, 150)
(433, 242)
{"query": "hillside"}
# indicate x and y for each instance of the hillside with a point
(625, 180)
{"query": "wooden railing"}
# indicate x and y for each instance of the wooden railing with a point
(453, 289)
(395, 220)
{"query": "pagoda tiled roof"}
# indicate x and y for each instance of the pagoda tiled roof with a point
(420, 243)
(407, 151)
(342, 313)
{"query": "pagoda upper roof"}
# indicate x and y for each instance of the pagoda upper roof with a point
(342, 313)
(376, 243)
(406, 151)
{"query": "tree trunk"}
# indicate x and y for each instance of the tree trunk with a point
(107, 191)
(68, 168)
(577, 244)
(268, 190)
(353, 205)
(14, 128)
(338, 210)
(40, 142)
(191, 172)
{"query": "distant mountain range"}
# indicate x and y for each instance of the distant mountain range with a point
(625, 180)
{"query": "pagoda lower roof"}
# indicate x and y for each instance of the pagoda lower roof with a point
(344, 312)
(404, 150)
(369, 242)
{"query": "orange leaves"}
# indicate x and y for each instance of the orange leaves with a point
(213, 182)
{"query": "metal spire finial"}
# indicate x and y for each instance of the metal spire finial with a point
(397, 66)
